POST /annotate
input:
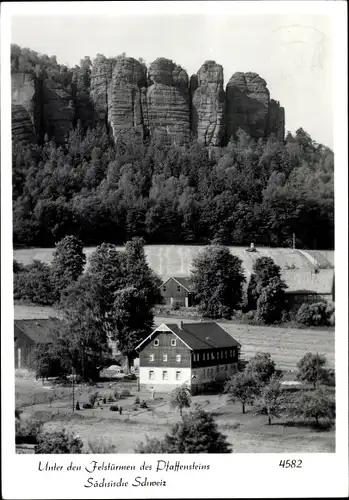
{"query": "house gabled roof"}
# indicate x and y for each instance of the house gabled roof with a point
(181, 280)
(38, 330)
(200, 335)
(309, 282)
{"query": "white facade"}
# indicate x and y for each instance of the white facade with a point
(153, 376)
(162, 377)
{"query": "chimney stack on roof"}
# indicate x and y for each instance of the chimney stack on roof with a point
(180, 324)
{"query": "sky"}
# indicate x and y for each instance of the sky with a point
(292, 52)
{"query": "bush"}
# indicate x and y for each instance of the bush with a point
(115, 394)
(114, 408)
(33, 283)
(58, 442)
(101, 446)
(125, 393)
(87, 406)
(143, 404)
(27, 431)
(176, 305)
(104, 401)
(137, 400)
(110, 398)
(93, 398)
(317, 314)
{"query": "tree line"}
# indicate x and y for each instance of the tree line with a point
(103, 190)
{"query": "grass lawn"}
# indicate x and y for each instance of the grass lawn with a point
(247, 433)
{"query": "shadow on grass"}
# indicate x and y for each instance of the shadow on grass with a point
(323, 426)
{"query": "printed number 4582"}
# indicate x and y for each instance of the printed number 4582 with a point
(290, 464)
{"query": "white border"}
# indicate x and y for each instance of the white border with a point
(240, 475)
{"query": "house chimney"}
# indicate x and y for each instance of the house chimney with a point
(180, 324)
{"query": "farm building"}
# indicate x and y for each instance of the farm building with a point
(309, 287)
(195, 354)
(28, 333)
(177, 289)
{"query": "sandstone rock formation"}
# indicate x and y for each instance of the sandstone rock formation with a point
(276, 120)
(247, 102)
(167, 102)
(118, 93)
(58, 111)
(124, 96)
(208, 104)
(24, 106)
(101, 75)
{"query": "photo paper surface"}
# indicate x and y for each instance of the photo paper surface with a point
(174, 210)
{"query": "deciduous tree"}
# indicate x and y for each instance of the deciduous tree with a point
(217, 278)
(180, 398)
(243, 387)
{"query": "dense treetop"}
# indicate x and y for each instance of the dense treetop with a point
(101, 191)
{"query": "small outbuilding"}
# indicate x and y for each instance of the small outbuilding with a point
(177, 289)
(28, 333)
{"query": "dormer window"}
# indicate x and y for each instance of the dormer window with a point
(173, 342)
(156, 342)
(178, 288)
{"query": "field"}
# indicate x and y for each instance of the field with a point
(176, 260)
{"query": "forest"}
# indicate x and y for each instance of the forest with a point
(106, 190)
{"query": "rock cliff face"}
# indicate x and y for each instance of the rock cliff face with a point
(124, 96)
(101, 75)
(24, 107)
(208, 104)
(121, 94)
(39, 107)
(247, 105)
(276, 120)
(167, 102)
(58, 111)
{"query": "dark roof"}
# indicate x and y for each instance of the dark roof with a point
(203, 335)
(38, 330)
(181, 280)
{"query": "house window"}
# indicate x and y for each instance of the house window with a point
(194, 357)
(204, 373)
(164, 357)
(164, 289)
(173, 342)
(151, 357)
(230, 352)
(194, 375)
(178, 375)
(178, 288)
(225, 354)
(198, 357)
(151, 374)
(218, 355)
(156, 342)
(164, 375)
(178, 358)
(212, 355)
(204, 358)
